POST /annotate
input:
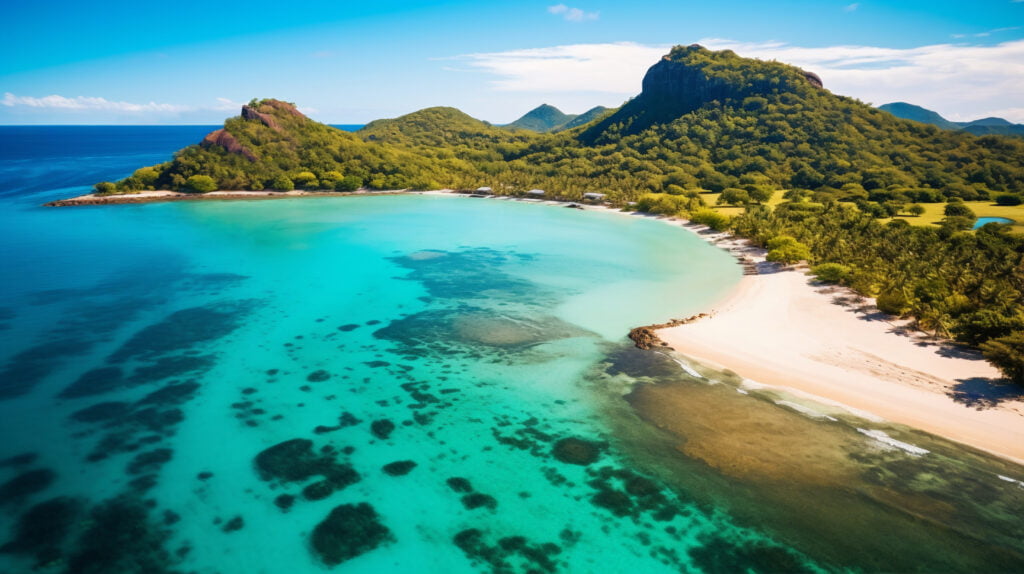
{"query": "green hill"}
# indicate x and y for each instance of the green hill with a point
(918, 114)
(272, 146)
(542, 119)
(584, 118)
(993, 126)
(439, 128)
(704, 120)
(548, 119)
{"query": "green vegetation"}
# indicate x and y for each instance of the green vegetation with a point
(786, 249)
(200, 184)
(982, 127)
(711, 218)
(709, 129)
(958, 209)
(671, 205)
(105, 188)
(831, 272)
(1009, 199)
(545, 118)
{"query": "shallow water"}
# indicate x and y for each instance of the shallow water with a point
(418, 384)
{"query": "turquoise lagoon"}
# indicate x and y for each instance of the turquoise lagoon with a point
(422, 384)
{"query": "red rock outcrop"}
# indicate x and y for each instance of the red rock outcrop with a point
(284, 107)
(814, 79)
(227, 141)
(251, 114)
(264, 113)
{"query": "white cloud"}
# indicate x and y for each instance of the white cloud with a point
(960, 81)
(853, 7)
(573, 14)
(611, 68)
(88, 103)
(101, 107)
(224, 104)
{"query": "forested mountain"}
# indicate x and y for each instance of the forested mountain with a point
(984, 126)
(543, 118)
(907, 111)
(584, 118)
(705, 121)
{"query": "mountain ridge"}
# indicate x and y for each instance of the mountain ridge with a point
(703, 120)
(544, 118)
(979, 127)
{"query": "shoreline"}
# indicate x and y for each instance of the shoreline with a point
(776, 328)
(165, 196)
(825, 343)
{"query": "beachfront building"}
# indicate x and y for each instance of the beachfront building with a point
(484, 190)
(594, 196)
(535, 193)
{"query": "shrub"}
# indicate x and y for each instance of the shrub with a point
(663, 204)
(892, 302)
(831, 272)
(282, 183)
(348, 183)
(786, 249)
(761, 194)
(305, 180)
(734, 196)
(330, 179)
(711, 218)
(200, 184)
(917, 210)
(105, 188)
(958, 209)
(953, 224)
(1009, 199)
(1007, 354)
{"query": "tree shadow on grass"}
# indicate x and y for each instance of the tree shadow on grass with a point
(982, 393)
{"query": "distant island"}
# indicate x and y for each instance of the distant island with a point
(763, 149)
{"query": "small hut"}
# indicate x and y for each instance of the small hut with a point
(593, 196)
(484, 190)
(535, 193)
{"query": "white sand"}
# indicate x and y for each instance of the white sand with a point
(780, 329)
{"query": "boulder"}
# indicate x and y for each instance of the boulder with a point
(227, 141)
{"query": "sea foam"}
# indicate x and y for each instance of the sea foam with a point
(884, 438)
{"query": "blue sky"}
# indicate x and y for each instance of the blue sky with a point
(72, 62)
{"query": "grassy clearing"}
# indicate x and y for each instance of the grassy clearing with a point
(933, 213)
(712, 199)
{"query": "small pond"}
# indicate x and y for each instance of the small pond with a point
(983, 220)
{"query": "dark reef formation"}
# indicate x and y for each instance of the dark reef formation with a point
(349, 531)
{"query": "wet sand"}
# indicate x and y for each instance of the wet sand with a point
(782, 329)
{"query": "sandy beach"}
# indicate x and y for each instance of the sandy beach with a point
(781, 328)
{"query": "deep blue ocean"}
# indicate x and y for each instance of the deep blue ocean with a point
(415, 384)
